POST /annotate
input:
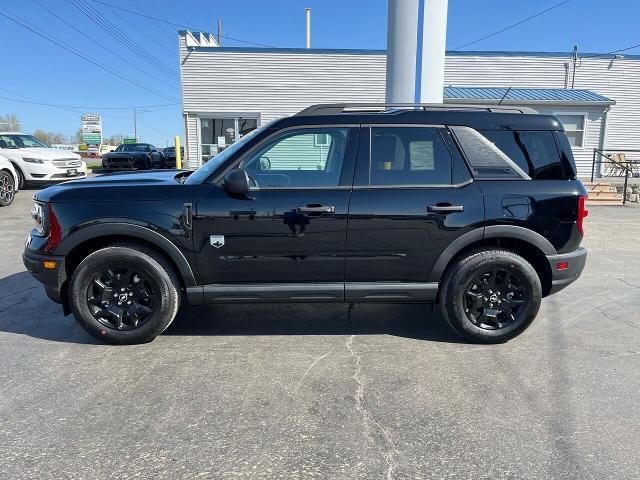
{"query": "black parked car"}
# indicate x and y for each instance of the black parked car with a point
(170, 156)
(133, 156)
(475, 208)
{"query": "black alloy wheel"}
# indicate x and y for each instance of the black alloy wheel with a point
(7, 189)
(495, 299)
(121, 298)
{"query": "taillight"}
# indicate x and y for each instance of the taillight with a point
(55, 231)
(582, 213)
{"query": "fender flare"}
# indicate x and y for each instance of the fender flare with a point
(106, 229)
(493, 231)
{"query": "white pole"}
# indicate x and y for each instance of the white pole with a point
(308, 12)
(416, 37)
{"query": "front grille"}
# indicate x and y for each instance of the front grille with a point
(67, 163)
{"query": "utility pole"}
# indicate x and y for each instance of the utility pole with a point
(219, 36)
(135, 125)
(574, 60)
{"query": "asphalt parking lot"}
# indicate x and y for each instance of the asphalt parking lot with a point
(322, 391)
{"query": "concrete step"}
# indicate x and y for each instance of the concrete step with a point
(605, 195)
(600, 187)
(600, 201)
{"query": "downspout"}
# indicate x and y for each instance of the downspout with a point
(603, 139)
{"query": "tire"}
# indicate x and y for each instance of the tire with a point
(21, 180)
(157, 290)
(7, 188)
(482, 317)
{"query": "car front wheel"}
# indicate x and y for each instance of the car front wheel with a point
(7, 189)
(491, 296)
(124, 294)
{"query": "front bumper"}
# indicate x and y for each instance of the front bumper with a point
(574, 265)
(52, 172)
(53, 279)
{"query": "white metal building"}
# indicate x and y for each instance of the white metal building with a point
(229, 91)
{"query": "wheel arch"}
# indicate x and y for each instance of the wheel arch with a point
(530, 245)
(78, 245)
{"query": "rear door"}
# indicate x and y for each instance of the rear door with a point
(413, 195)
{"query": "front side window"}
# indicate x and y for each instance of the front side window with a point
(297, 159)
(574, 127)
(409, 156)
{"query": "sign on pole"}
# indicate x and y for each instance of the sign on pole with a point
(91, 129)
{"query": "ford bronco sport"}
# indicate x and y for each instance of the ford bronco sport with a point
(475, 208)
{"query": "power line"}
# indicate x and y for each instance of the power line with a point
(514, 25)
(178, 24)
(612, 52)
(123, 38)
(77, 53)
(73, 27)
(84, 107)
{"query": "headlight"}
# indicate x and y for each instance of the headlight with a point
(33, 160)
(38, 213)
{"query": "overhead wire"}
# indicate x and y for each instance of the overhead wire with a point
(35, 30)
(93, 40)
(178, 24)
(514, 24)
(123, 38)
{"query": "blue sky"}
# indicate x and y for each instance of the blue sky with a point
(36, 70)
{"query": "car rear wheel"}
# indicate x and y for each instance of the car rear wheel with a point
(491, 296)
(7, 189)
(124, 294)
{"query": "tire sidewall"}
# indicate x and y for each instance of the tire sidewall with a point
(166, 301)
(455, 295)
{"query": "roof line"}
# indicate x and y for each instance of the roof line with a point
(451, 53)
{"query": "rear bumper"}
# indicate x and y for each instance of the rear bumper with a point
(575, 264)
(53, 279)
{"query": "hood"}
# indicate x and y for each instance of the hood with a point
(48, 153)
(116, 187)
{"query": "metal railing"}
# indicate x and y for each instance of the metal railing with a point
(617, 167)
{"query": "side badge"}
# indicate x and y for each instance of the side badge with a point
(217, 241)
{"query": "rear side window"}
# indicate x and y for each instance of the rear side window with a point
(535, 152)
(409, 156)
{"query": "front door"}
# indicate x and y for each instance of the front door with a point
(412, 198)
(286, 240)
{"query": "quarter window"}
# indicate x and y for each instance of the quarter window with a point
(409, 156)
(574, 127)
(298, 159)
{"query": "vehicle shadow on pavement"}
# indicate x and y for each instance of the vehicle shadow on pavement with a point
(415, 321)
(26, 310)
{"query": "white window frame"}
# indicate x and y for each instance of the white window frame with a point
(585, 119)
(319, 144)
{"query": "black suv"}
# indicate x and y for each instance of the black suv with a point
(475, 208)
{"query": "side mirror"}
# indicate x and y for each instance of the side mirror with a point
(236, 183)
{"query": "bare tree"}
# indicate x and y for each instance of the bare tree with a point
(78, 137)
(9, 123)
(49, 137)
(116, 139)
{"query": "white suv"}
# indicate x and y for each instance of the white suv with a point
(36, 162)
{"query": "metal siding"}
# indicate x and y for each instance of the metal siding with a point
(282, 83)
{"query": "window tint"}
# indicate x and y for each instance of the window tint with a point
(298, 159)
(535, 152)
(409, 156)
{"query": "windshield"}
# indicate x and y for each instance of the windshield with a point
(212, 165)
(20, 141)
(133, 147)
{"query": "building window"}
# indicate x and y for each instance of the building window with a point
(322, 140)
(575, 126)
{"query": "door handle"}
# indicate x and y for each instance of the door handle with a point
(317, 209)
(445, 208)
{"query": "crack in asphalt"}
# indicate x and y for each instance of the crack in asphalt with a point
(19, 291)
(390, 452)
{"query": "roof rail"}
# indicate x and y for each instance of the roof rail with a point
(338, 108)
